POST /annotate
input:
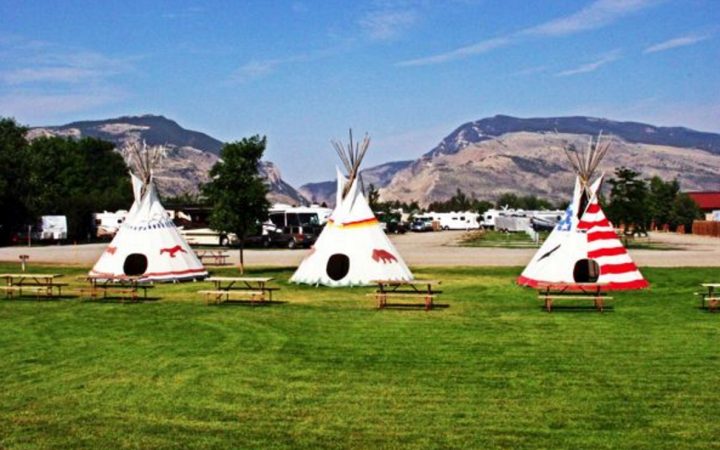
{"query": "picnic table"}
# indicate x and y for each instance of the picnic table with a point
(252, 289)
(710, 295)
(218, 257)
(423, 290)
(122, 287)
(41, 284)
(550, 292)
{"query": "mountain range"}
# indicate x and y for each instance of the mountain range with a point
(484, 158)
(504, 154)
(190, 154)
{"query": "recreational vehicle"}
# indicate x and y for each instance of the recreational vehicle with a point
(106, 223)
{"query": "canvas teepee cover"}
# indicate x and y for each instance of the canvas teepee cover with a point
(352, 248)
(148, 245)
(583, 247)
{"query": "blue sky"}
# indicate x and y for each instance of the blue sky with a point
(406, 71)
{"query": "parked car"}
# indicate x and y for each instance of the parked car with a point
(421, 225)
(396, 227)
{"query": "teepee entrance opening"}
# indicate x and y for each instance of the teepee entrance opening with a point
(338, 266)
(135, 264)
(586, 271)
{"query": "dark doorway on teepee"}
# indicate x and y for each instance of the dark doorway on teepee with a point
(135, 264)
(338, 266)
(586, 271)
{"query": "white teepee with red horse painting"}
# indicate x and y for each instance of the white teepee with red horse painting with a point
(583, 247)
(352, 249)
(147, 245)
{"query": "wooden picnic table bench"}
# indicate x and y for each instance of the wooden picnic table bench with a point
(252, 289)
(422, 290)
(40, 284)
(218, 257)
(118, 287)
(711, 296)
(550, 292)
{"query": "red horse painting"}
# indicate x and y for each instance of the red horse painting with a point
(172, 250)
(384, 256)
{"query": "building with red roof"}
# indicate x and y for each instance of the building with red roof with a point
(707, 201)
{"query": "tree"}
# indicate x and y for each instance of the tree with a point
(684, 211)
(629, 200)
(508, 199)
(236, 191)
(660, 199)
(373, 198)
(14, 183)
(76, 178)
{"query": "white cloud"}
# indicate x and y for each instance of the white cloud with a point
(48, 63)
(681, 41)
(37, 107)
(184, 13)
(41, 80)
(256, 69)
(530, 71)
(602, 60)
(387, 25)
(460, 53)
(48, 74)
(598, 14)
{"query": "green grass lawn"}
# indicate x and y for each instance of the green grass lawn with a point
(492, 238)
(326, 370)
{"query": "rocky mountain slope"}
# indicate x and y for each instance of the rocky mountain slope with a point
(534, 163)
(501, 154)
(190, 154)
(378, 176)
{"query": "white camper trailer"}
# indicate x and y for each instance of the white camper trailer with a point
(107, 223)
(461, 220)
(51, 228)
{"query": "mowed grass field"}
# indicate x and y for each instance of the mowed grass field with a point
(324, 369)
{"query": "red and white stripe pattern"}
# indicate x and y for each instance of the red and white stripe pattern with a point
(616, 266)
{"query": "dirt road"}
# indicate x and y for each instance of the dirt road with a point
(418, 249)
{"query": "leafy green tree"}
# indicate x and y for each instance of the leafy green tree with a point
(508, 199)
(481, 206)
(184, 199)
(661, 197)
(684, 211)
(527, 202)
(629, 200)
(76, 178)
(373, 198)
(14, 183)
(236, 191)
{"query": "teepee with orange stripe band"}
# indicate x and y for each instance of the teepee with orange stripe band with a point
(352, 248)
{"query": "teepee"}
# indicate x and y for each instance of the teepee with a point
(352, 248)
(147, 245)
(583, 247)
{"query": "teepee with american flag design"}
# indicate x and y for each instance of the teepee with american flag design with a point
(352, 249)
(583, 247)
(147, 245)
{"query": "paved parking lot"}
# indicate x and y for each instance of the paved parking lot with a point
(418, 249)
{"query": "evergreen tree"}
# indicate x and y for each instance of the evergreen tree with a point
(629, 200)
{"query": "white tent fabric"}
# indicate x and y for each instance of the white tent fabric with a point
(577, 241)
(148, 245)
(352, 249)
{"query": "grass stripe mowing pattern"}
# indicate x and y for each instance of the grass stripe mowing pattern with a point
(326, 370)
